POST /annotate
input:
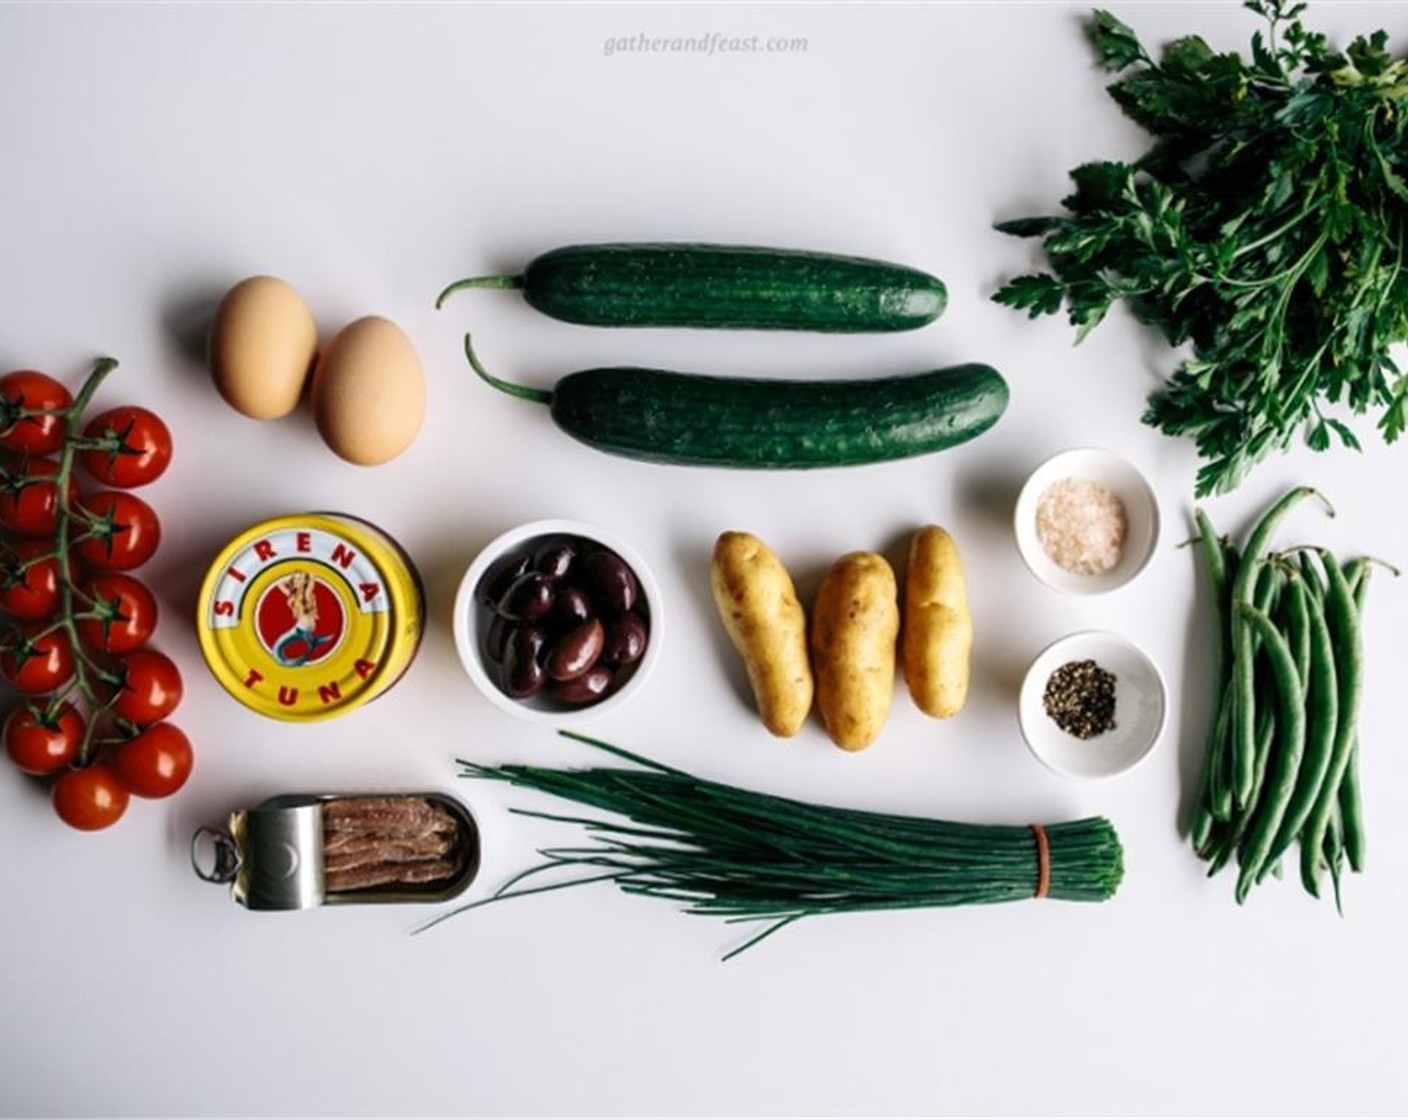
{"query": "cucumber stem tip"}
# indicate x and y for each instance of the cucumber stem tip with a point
(477, 282)
(538, 396)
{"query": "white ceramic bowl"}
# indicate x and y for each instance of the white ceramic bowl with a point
(1141, 509)
(1140, 707)
(472, 619)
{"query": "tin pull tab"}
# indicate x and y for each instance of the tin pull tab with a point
(215, 855)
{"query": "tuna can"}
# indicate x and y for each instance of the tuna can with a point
(297, 850)
(308, 616)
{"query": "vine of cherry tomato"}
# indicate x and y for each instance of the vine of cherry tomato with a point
(74, 623)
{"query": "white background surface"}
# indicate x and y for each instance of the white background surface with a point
(155, 155)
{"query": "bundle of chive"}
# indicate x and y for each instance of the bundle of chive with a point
(1281, 765)
(752, 857)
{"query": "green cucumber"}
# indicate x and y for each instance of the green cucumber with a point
(700, 420)
(722, 286)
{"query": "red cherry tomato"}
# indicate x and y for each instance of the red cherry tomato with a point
(141, 451)
(151, 687)
(35, 659)
(125, 531)
(156, 763)
(27, 390)
(29, 579)
(29, 498)
(128, 613)
(40, 744)
(91, 798)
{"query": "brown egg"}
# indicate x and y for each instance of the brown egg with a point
(262, 347)
(369, 392)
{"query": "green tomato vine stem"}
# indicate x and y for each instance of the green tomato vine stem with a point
(90, 678)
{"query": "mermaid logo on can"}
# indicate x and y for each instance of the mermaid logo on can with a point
(300, 619)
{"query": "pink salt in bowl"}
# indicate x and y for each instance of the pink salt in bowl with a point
(1086, 522)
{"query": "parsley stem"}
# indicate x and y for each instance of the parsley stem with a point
(1278, 232)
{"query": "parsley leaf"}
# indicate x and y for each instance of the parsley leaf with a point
(1037, 294)
(1115, 43)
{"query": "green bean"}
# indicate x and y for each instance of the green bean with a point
(1356, 578)
(1351, 803)
(1351, 807)
(1343, 621)
(1202, 820)
(1294, 622)
(1270, 587)
(1351, 798)
(1224, 807)
(1220, 853)
(1204, 811)
(1290, 744)
(1211, 549)
(1322, 714)
(1333, 851)
(1265, 732)
(1314, 582)
(1224, 776)
(1243, 752)
(1243, 700)
(1237, 827)
(1232, 564)
(1215, 841)
(1244, 730)
(1216, 802)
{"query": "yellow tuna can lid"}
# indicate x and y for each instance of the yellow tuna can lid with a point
(308, 616)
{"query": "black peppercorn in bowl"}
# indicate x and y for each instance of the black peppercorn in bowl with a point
(557, 618)
(1092, 705)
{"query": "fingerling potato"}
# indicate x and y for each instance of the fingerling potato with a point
(855, 621)
(764, 619)
(937, 637)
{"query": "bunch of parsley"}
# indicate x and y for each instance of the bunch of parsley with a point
(1266, 228)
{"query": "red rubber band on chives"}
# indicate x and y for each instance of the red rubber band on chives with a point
(1043, 861)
